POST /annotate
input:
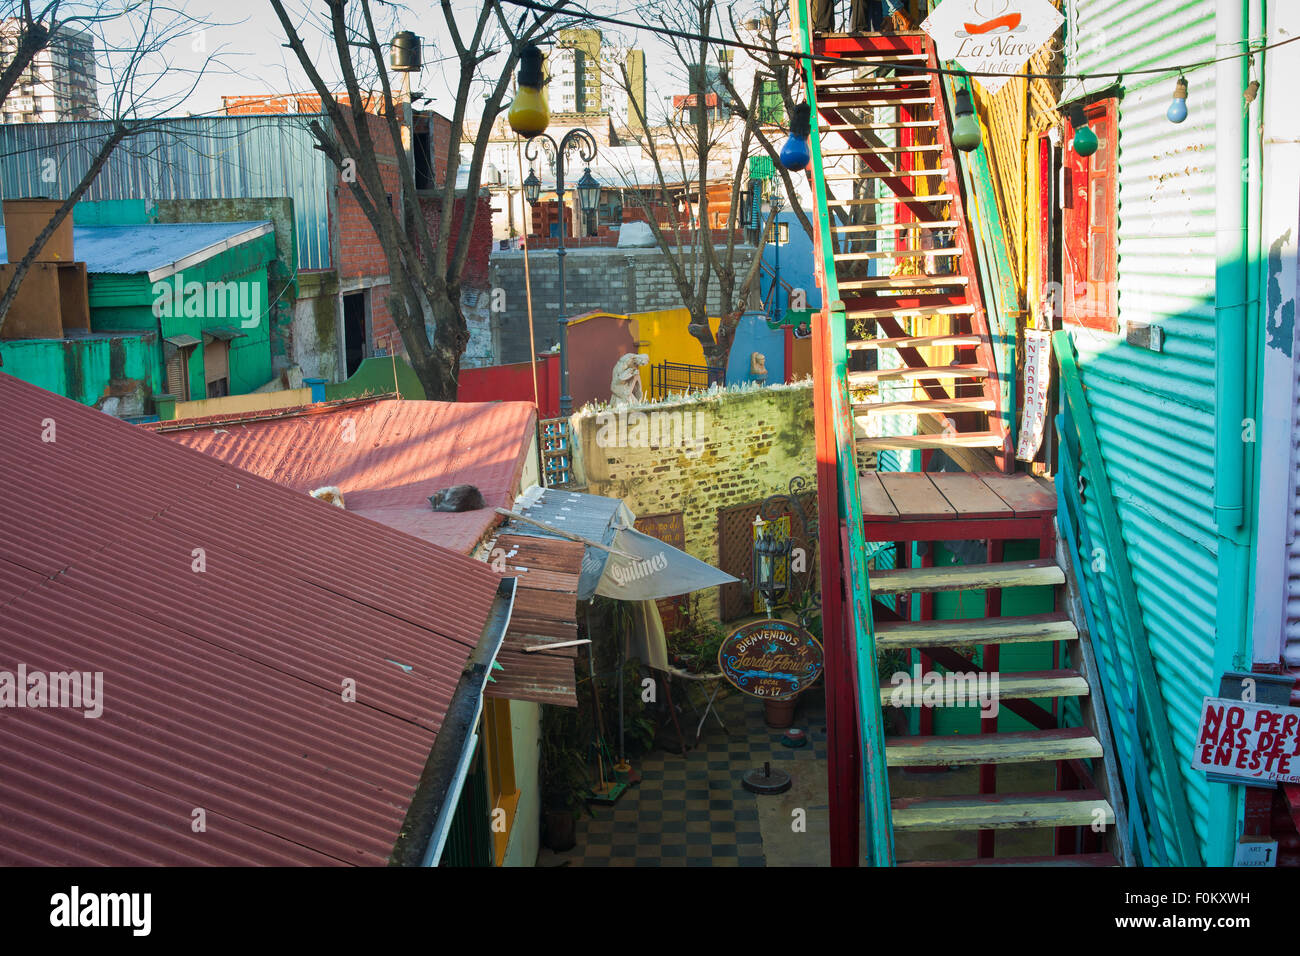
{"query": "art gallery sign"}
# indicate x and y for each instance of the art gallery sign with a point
(991, 36)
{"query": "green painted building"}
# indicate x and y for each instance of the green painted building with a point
(175, 308)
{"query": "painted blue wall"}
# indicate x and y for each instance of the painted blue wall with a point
(753, 335)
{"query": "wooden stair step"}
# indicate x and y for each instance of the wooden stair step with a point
(1067, 859)
(866, 98)
(917, 85)
(968, 577)
(1064, 860)
(891, 174)
(972, 750)
(908, 374)
(1024, 685)
(912, 342)
(937, 440)
(1002, 811)
(924, 406)
(904, 282)
(962, 308)
(886, 200)
(910, 124)
(1027, 629)
(889, 57)
(892, 226)
(868, 150)
(896, 254)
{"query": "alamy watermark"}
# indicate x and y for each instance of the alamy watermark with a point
(74, 690)
(175, 298)
(657, 428)
(950, 689)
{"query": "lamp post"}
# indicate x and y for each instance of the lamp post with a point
(578, 141)
(776, 244)
(529, 116)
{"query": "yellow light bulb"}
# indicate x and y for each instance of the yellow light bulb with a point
(529, 114)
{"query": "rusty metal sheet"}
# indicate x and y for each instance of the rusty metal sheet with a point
(222, 687)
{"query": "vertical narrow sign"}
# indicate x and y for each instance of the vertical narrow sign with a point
(1038, 374)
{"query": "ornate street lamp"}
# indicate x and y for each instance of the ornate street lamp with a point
(529, 117)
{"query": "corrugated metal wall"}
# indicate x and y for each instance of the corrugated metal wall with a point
(1155, 411)
(221, 157)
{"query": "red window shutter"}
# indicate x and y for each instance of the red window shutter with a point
(1090, 217)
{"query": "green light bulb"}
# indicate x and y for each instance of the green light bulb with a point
(1085, 140)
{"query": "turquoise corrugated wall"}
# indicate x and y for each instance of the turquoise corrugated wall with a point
(1154, 412)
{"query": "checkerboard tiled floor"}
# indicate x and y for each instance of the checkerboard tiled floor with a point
(690, 809)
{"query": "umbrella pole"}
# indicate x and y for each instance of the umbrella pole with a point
(622, 754)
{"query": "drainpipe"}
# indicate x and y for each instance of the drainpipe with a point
(1236, 180)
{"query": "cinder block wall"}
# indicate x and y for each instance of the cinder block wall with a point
(753, 443)
(596, 280)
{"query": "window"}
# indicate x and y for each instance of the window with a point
(178, 374)
(424, 176)
(1090, 216)
(499, 763)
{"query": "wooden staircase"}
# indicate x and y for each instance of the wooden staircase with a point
(1078, 808)
(904, 259)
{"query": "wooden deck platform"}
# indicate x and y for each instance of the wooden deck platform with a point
(954, 496)
(916, 506)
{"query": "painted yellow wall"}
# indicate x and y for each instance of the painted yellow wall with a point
(664, 337)
(236, 404)
(526, 736)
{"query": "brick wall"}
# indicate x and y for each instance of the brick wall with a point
(360, 254)
(596, 280)
(753, 443)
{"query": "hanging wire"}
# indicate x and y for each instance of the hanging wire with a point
(850, 61)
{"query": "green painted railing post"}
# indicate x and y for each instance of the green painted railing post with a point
(1002, 297)
(1092, 466)
(880, 838)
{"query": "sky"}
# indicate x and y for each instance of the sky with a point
(242, 50)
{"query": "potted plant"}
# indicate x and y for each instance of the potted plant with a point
(562, 776)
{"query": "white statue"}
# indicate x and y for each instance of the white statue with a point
(625, 386)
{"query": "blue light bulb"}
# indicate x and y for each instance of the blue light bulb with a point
(795, 152)
(1177, 111)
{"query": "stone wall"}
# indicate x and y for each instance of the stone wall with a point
(727, 448)
(596, 280)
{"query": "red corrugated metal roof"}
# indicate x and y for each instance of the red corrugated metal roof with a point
(222, 688)
(386, 456)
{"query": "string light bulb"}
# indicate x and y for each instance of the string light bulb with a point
(1177, 111)
(795, 151)
(1085, 140)
(529, 114)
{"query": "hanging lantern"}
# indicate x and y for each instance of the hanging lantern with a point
(529, 114)
(795, 151)
(1177, 111)
(966, 128)
(772, 564)
(532, 187)
(588, 192)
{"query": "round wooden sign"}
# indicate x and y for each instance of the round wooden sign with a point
(771, 659)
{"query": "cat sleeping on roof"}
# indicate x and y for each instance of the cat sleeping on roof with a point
(457, 498)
